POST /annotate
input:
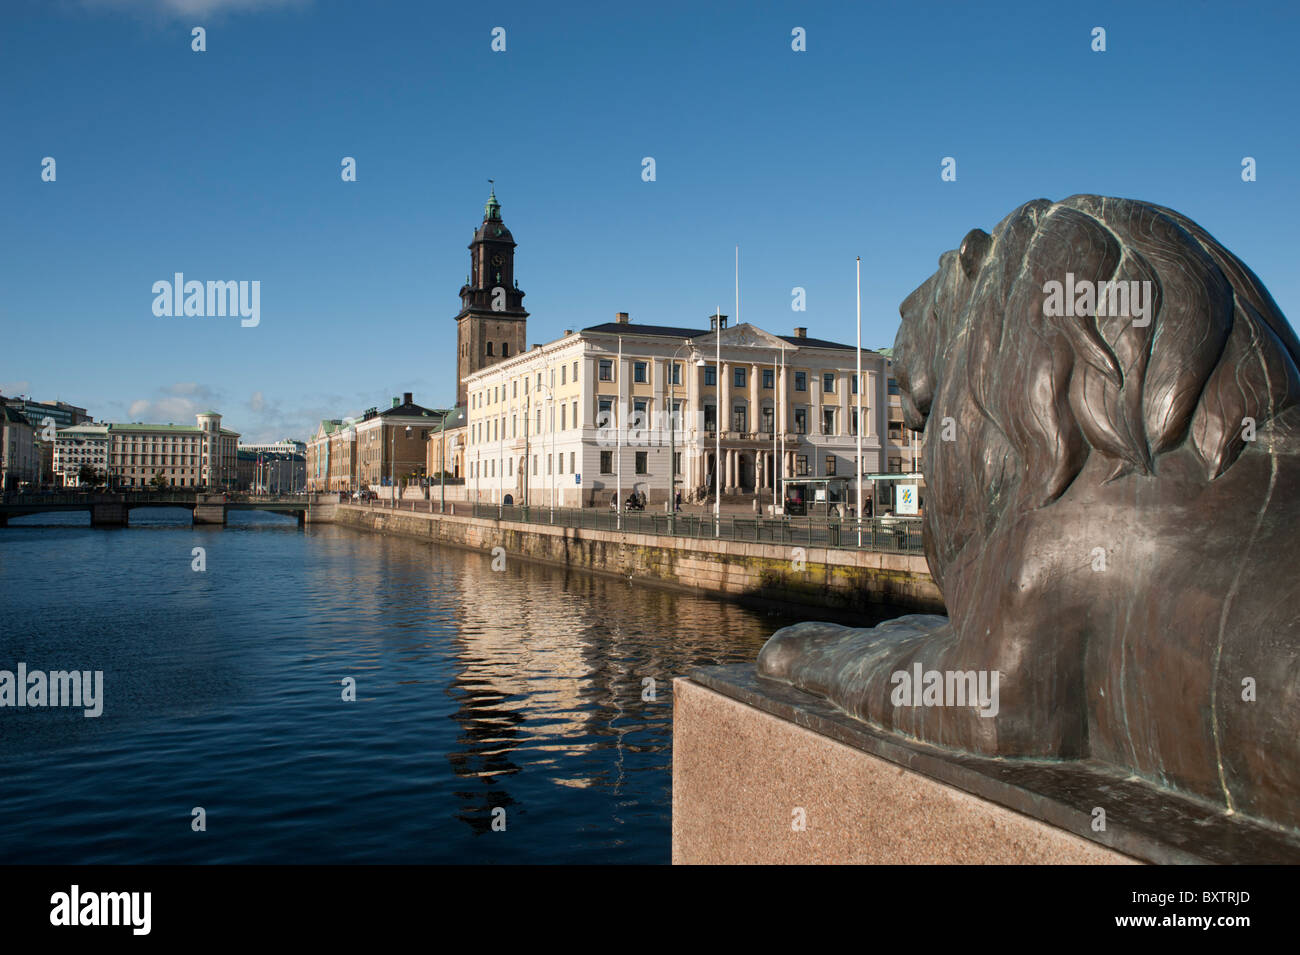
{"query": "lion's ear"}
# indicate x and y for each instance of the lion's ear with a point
(973, 249)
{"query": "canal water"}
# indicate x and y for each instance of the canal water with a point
(530, 695)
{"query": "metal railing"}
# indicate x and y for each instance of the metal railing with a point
(891, 535)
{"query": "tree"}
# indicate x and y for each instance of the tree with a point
(159, 480)
(86, 474)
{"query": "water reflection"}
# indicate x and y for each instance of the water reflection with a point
(477, 690)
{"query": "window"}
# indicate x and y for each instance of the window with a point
(539, 421)
(801, 465)
(575, 370)
(573, 469)
(607, 462)
(606, 370)
(559, 463)
(769, 378)
(828, 421)
(564, 416)
(549, 462)
(514, 388)
(895, 465)
(512, 426)
(769, 420)
(489, 348)
(564, 371)
(738, 377)
(738, 416)
(642, 462)
(830, 465)
(677, 462)
(604, 413)
(853, 384)
(893, 386)
(505, 349)
(640, 372)
(534, 465)
(710, 376)
(675, 373)
(828, 382)
(675, 420)
(539, 379)
(801, 381)
(710, 418)
(800, 420)
(853, 421)
(575, 412)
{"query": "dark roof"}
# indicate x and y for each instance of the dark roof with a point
(668, 331)
(410, 408)
(8, 413)
(814, 342)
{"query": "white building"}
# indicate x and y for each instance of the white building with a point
(82, 445)
(543, 425)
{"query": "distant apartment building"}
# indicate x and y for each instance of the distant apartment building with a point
(544, 425)
(203, 455)
(331, 457)
(19, 457)
(60, 413)
(373, 449)
(80, 446)
(46, 418)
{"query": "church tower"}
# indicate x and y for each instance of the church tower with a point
(492, 323)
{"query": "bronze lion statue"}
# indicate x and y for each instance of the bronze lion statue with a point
(1112, 513)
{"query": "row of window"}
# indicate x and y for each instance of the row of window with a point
(673, 376)
(641, 464)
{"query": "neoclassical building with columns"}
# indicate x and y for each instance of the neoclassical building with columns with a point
(544, 425)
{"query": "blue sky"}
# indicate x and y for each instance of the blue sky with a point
(225, 165)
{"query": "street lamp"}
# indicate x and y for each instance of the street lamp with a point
(392, 466)
(672, 425)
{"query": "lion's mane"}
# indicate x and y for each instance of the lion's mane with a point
(1031, 397)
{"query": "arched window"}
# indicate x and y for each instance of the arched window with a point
(505, 349)
(489, 348)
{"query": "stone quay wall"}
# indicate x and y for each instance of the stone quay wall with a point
(822, 577)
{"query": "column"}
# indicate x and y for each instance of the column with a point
(755, 408)
(724, 397)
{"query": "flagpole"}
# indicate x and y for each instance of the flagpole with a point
(717, 424)
(859, 391)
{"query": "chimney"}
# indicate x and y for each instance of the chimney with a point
(800, 331)
(621, 318)
(396, 402)
(406, 398)
(716, 321)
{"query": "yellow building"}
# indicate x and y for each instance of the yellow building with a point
(544, 426)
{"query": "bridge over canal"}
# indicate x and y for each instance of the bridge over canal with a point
(113, 509)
